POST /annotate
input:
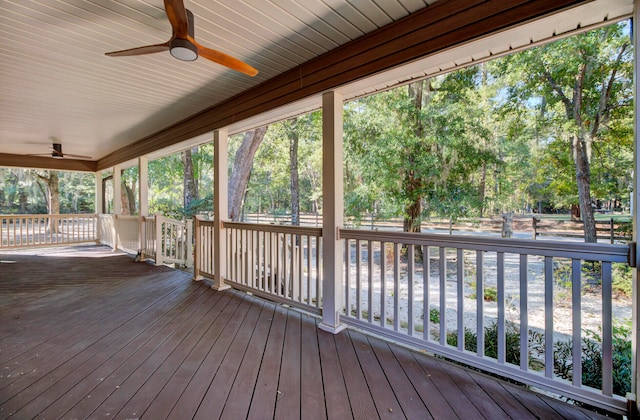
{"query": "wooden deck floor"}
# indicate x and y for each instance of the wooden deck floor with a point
(86, 333)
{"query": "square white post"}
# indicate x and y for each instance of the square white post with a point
(99, 194)
(117, 189)
(197, 251)
(97, 204)
(143, 188)
(143, 201)
(635, 196)
(220, 206)
(333, 214)
(117, 202)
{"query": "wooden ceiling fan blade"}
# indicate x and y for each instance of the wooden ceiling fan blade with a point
(69, 155)
(177, 15)
(148, 49)
(225, 59)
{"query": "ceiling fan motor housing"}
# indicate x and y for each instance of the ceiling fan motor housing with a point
(183, 49)
(57, 151)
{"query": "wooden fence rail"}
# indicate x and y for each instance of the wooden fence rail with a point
(611, 230)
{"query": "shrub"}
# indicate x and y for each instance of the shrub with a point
(622, 278)
(434, 315)
(562, 352)
(490, 294)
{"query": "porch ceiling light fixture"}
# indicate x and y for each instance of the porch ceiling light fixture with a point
(183, 49)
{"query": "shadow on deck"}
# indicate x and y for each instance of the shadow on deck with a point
(88, 333)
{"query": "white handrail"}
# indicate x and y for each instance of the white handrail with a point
(29, 230)
(280, 263)
(428, 291)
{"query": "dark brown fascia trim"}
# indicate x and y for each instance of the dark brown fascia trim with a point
(39, 162)
(442, 25)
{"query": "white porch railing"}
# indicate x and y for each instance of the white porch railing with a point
(548, 303)
(167, 242)
(173, 242)
(280, 263)
(203, 265)
(429, 291)
(127, 233)
(26, 230)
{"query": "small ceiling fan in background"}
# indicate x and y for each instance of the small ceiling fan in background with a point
(56, 153)
(183, 45)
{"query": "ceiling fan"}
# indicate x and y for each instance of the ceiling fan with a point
(183, 45)
(56, 153)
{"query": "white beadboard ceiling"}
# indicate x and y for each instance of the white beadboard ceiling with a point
(56, 82)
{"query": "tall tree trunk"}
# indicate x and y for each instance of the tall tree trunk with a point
(190, 191)
(482, 188)
(294, 176)
(583, 180)
(54, 193)
(242, 169)
(22, 200)
(411, 183)
(53, 196)
(128, 198)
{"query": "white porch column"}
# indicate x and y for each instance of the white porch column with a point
(97, 204)
(117, 189)
(635, 197)
(99, 193)
(117, 203)
(332, 212)
(220, 206)
(143, 201)
(143, 188)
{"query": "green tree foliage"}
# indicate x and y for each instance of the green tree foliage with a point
(166, 183)
(25, 191)
(417, 147)
(541, 130)
(269, 188)
(582, 85)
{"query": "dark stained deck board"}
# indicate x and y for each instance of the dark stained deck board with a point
(38, 356)
(60, 378)
(311, 376)
(108, 338)
(263, 403)
(81, 315)
(334, 386)
(207, 391)
(74, 369)
(511, 406)
(360, 398)
(439, 407)
(238, 401)
(45, 349)
(288, 393)
(462, 405)
(478, 396)
(44, 327)
(215, 333)
(411, 403)
(383, 396)
(135, 384)
(126, 362)
(86, 385)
